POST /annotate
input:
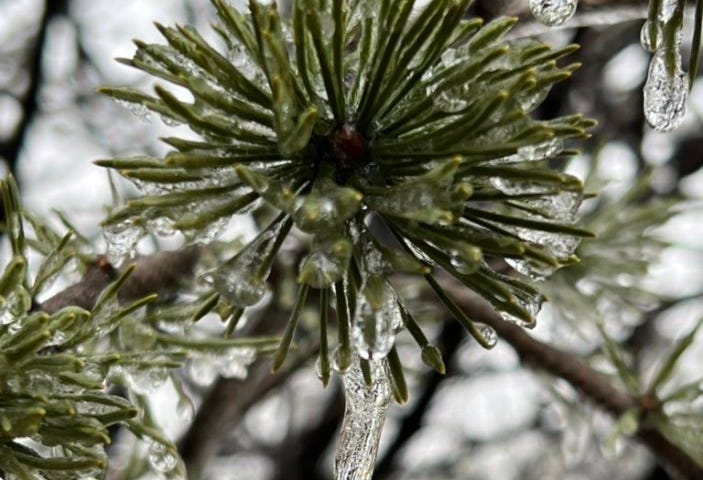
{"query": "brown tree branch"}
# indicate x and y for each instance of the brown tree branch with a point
(595, 386)
(159, 273)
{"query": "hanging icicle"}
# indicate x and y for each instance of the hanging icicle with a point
(365, 413)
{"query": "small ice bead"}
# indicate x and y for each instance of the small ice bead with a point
(553, 12)
(121, 239)
(664, 95)
(648, 43)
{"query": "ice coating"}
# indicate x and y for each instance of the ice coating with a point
(364, 416)
(239, 280)
(665, 94)
(374, 326)
(121, 238)
(553, 12)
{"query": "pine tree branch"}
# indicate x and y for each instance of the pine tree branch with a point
(158, 273)
(594, 385)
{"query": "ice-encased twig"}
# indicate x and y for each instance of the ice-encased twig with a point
(364, 415)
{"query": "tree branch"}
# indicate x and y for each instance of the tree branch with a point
(595, 386)
(159, 273)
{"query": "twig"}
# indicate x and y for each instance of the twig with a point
(158, 273)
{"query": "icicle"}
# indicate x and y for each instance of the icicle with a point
(553, 12)
(121, 238)
(665, 94)
(364, 416)
(377, 319)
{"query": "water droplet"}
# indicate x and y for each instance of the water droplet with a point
(239, 279)
(561, 206)
(234, 362)
(121, 239)
(376, 321)
(488, 333)
(648, 43)
(162, 226)
(553, 12)
(665, 94)
(161, 458)
(467, 260)
(339, 364)
(542, 151)
(202, 370)
(529, 303)
(170, 121)
(365, 413)
(137, 109)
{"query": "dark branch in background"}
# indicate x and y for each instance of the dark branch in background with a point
(228, 401)
(449, 342)
(159, 273)
(11, 148)
(595, 386)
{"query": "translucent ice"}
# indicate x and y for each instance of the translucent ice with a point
(364, 416)
(553, 12)
(376, 321)
(665, 94)
(121, 238)
(239, 279)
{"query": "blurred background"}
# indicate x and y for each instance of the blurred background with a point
(489, 417)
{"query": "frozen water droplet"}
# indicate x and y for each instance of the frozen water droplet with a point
(541, 151)
(465, 262)
(121, 238)
(161, 458)
(365, 413)
(239, 279)
(374, 326)
(488, 333)
(339, 364)
(144, 381)
(185, 408)
(234, 362)
(648, 43)
(162, 226)
(561, 206)
(202, 370)
(170, 121)
(553, 12)
(665, 94)
(15, 305)
(529, 303)
(137, 109)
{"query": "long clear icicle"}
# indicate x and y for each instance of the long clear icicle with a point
(364, 416)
